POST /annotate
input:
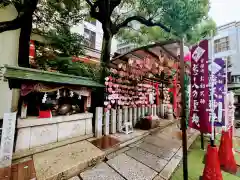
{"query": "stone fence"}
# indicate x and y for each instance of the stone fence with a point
(114, 120)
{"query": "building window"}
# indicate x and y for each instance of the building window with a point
(235, 79)
(229, 61)
(221, 45)
(90, 38)
(123, 50)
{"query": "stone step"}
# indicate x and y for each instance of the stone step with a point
(131, 169)
(66, 161)
(147, 158)
(101, 172)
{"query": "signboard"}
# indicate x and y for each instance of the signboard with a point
(230, 111)
(8, 130)
(219, 78)
(199, 116)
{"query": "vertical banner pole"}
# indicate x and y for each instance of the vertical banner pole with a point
(226, 95)
(202, 141)
(212, 91)
(183, 118)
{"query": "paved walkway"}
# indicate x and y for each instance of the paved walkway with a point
(153, 158)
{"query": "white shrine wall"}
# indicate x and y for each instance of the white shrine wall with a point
(40, 134)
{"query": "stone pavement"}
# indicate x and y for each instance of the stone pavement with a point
(153, 158)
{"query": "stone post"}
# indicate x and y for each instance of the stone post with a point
(98, 122)
(106, 123)
(139, 113)
(130, 116)
(119, 120)
(146, 110)
(125, 114)
(154, 110)
(113, 121)
(7, 139)
(150, 110)
(135, 116)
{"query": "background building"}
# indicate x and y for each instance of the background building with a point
(93, 34)
(227, 45)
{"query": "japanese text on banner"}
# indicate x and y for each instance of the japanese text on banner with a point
(199, 116)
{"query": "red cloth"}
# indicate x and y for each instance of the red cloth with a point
(225, 154)
(45, 114)
(212, 169)
(32, 49)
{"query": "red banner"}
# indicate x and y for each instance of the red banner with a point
(199, 105)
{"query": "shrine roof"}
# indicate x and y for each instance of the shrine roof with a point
(20, 73)
(170, 47)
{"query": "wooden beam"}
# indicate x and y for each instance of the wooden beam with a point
(152, 53)
(169, 53)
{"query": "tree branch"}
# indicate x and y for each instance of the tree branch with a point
(29, 7)
(89, 3)
(142, 20)
(10, 25)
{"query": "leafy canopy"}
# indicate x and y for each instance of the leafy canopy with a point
(185, 18)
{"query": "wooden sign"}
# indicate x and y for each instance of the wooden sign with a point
(8, 130)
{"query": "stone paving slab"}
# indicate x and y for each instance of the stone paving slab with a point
(66, 161)
(135, 144)
(170, 167)
(147, 158)
(101, 172)
(164, 153)
(114, 154)
(131, 169)
(74, 178)
(158, 178)
(169, 137)
(163, 143)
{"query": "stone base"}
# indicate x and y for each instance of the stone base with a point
(67, 161)
(36, 132)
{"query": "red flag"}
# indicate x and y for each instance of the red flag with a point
(199, 116)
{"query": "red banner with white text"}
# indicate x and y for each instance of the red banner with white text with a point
(199, 105)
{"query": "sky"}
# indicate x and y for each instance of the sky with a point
(225, 11)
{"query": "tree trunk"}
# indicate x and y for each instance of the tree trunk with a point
(106, 48)
(23, 54)
(105, 60)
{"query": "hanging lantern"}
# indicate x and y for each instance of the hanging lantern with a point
(71, 94)
(130, 61)
(44, 99)
(120, 65)
(106, 103)
(58, 94)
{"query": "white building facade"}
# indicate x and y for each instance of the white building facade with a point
(227, 45)
(93, 34)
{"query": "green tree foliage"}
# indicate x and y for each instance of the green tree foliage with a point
(178, 17)
(158, 18)
(54, 21)
(144, 35)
